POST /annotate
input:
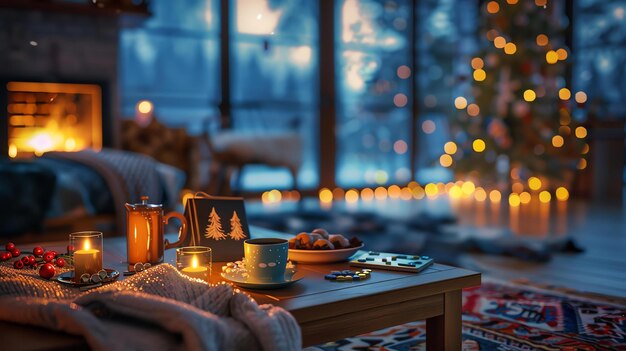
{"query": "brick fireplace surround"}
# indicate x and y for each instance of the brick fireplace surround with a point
(53, 46)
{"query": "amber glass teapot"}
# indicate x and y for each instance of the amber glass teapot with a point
(144, 232)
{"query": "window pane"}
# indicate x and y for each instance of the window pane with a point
(172, 59)
(374, 104)
(445, 42)
(274, 73)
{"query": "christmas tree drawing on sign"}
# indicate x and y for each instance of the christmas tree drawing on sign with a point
(214, 228)
(236, 231)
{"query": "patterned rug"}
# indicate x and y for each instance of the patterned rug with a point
(510, 317)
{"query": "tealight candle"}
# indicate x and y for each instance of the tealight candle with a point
(88, 256)
(194, 262)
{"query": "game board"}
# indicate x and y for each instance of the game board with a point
(391, 261)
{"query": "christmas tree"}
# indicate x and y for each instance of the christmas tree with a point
(214, 228)
(519, 121)
(236, 231)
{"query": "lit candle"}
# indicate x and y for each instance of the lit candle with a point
(87, 260)
(195, 270)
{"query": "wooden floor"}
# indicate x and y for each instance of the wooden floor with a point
(600, 231)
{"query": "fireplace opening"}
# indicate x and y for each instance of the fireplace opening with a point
(44, 117)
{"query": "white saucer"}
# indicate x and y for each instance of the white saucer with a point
(244, 283)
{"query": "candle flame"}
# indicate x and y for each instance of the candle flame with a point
(194, 262)
(86, 245)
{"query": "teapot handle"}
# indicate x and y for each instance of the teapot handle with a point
(183, 229)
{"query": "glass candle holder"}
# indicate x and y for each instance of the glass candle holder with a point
(87, 254)
(195, 261)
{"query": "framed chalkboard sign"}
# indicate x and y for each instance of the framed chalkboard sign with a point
(219, 223)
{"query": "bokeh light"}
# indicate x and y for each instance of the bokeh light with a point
(367, 194)
(144, 106)
(428, 126)
(580, 132)
(460, 102)
(480, 75)
(403, 72)
(400, 147)
(450, 147)
(557, 141)
(514, 200)
(478, 145)
(326, 195)
(499, 42)
(495, 196)
(380, 193)
(510, 48)
(552, 57)
(534, 183)
(542, 40)
(352, 196)
(565, 94)
(530, 95)
(473, 110)
(580, 97)
(582, 164)
(561, 54)
(445, 160)
(431, 190)
(400, 100)
(545, 196)
(477, 63)
(524, 197)
(480, 194)
(493, 7)
(561, 194)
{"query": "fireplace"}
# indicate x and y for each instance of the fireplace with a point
(43, 116)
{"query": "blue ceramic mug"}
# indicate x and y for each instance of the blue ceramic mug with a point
(266, 259)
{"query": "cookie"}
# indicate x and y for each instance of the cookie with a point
(323, 244)
(339, 241)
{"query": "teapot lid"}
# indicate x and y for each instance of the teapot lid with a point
(145, 205)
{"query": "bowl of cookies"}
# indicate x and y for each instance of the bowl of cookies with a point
(319, 246)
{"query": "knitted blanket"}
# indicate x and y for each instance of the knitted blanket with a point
(157, 309)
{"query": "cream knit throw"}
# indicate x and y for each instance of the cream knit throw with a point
(158, 309)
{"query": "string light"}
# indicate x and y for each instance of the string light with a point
(380, 193)
(565, 94)
(352, 196)
(561, 54)
(580, 132)
(367, 194)
(431, 190)
(524, 197)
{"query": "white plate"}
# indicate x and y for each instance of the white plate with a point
(322, 256)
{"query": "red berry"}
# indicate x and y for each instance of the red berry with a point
(60, 262)
(54, 253)
(5, 255)
(48, 256)
(70, 248)
(25, 260)
(18, 264)
(9, 246)
(32, 261)
(16, 252)
(38, 251)
(47, 271)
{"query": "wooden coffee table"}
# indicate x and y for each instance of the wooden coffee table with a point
(325, 310)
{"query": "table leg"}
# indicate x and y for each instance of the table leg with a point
(443, 332)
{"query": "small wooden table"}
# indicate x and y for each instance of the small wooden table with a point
(325, 310)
